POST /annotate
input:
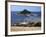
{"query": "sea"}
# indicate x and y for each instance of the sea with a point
(20, 18)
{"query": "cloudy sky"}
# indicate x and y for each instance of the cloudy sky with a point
(30, 8)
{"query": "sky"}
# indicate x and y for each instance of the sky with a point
(29, 8)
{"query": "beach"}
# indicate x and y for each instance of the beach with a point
(17, 28)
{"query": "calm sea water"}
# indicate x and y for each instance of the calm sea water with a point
(18, 18)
